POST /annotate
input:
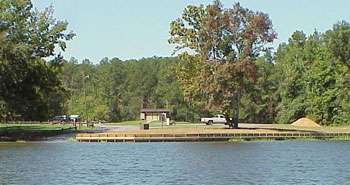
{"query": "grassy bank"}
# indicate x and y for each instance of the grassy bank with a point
(217, 132)
(242, 126)
(158, 124)
(14, 132)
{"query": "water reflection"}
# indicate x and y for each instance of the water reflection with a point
(282, 162)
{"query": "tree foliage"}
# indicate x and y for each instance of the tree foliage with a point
(116, 90)
(220, 46)
(224, 65)
(29, 85)
(314, 76)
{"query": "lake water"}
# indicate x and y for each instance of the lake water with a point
(275, 162)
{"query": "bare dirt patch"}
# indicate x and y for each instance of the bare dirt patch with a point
(305, 122)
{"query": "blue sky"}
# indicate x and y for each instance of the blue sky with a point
(132, 29)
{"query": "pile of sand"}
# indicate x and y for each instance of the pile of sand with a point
(305, 122)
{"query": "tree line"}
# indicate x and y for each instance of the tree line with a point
(224, 64)
(116, 90)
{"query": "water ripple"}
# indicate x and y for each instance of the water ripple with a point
(284, 162)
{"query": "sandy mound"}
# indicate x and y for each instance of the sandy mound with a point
(305, 122)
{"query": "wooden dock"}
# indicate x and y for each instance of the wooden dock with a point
(197, 137)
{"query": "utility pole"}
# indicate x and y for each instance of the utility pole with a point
(84, 85)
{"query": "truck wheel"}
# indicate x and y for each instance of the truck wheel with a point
(210, 122)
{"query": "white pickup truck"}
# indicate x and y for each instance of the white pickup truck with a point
(217, 119)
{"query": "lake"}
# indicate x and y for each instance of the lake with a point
(272, 162)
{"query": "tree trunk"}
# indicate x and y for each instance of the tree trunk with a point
(228, 120)
(235, 104)
(235, 110)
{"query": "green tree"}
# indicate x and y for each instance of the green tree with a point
(260, 100)
(338, 42)
(29, 84)
(116, 90)
(220, 47)
(313, 75)
(112, 81)
(291, 66)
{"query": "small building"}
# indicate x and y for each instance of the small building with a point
(154, 115)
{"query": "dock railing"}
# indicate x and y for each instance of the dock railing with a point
(168, 137)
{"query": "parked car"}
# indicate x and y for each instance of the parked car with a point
(216, 119)
(60, 119)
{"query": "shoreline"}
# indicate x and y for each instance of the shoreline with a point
(205, 135)
(178, 133)
(74, 138)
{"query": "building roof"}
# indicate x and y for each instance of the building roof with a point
(155, 110)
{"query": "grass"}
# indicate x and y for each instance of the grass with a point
(127, 123)
(14, 132)
(32, 127)
(158, 124)
(182, 128)
(275, 127)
